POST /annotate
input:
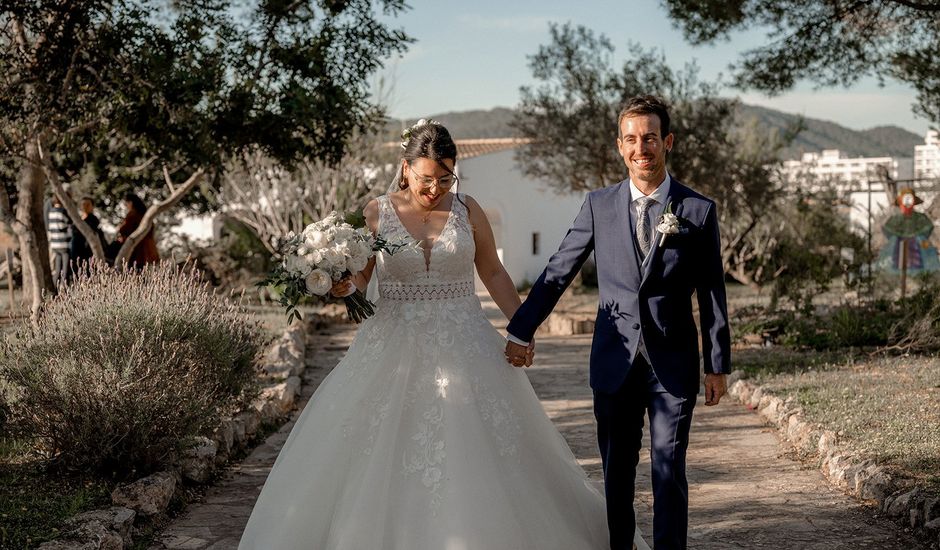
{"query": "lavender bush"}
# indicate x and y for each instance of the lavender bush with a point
(125, 368)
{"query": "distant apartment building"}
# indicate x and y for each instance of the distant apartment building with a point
(832, 167)
(927, 156)
(858, 179)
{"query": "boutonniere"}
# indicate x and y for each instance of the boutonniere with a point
(669, 224)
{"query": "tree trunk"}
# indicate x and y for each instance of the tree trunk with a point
(30, 229)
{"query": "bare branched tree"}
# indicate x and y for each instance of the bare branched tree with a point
(274, 200)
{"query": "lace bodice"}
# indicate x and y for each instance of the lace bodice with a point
(449, 273)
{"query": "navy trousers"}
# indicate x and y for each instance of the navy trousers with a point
(620, 420)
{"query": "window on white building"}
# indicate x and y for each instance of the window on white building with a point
(535, 244)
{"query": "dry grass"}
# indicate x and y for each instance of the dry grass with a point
(887, 408)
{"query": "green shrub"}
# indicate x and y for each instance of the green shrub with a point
(125, 368)
(911, 324)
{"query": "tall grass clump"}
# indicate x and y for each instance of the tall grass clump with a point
(125, 368)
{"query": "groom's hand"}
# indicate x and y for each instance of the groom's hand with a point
(716, 385)
(518, 355)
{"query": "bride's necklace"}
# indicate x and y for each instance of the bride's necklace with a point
(424, 217)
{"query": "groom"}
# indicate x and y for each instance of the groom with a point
(645, 354)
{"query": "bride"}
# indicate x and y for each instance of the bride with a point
(423, 437)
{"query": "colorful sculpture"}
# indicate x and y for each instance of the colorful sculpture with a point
(908, 250)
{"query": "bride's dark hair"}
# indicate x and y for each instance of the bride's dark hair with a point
(430, 141)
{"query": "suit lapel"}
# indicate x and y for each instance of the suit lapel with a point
(627, 230)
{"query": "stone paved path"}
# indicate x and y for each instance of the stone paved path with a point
(744, 491)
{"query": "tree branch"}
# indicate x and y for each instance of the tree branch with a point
(933, 7)
(146, 224)
(52, 176)
(166, 178)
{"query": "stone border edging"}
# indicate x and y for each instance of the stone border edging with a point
(843, 468)
(113, 528)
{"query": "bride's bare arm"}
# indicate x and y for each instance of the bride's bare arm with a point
(491, 270)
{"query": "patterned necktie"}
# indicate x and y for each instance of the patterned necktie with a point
(644, 230)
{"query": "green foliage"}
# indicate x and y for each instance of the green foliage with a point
(232, 263)
(125, 368)
(34, 503)
(834, 43)
(575, 108)
(911, 324)
(574, 111)
(116, 90)
(807, 255)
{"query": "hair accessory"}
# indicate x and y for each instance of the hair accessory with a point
(406, 135)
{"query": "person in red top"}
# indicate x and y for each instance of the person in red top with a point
(146, 250)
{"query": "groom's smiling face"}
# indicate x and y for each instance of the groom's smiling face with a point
(644, 149)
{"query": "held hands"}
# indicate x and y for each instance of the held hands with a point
(716, 385)
(343, 288)
(518, 355)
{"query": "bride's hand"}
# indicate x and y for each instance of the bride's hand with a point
(343, 288)
(530, 353)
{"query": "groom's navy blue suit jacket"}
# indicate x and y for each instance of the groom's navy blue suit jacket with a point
(652, 298)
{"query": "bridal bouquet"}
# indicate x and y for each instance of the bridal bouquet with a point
(323, 254)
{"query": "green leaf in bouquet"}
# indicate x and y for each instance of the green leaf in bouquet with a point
(356, 218)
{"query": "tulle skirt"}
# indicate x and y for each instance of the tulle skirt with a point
(424, 438)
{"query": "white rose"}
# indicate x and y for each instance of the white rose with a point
(344, 233)
(314, 257)
(357, 263)
(297, 265)
(318, 282)
(668, 224)
(334, 258)
(316, 238)
(365, 249)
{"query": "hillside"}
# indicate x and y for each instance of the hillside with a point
(817, 134)
(822, 134)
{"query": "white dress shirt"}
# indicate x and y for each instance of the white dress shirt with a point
(656, 210)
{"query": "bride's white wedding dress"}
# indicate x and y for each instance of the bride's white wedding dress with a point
(423, 437)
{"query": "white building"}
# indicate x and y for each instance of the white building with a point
(529, 220)
(859, 179)
(833, 167)
(927, 156)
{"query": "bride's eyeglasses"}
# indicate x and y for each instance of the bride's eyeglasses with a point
(443, 182)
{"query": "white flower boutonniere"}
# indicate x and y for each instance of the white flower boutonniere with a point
(669, 224)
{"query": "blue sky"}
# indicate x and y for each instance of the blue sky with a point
(472, 55)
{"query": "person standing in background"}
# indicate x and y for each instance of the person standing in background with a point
(80, 251)
(59, 230)
(146, 250)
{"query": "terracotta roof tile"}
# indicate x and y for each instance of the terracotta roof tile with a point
(469, 148)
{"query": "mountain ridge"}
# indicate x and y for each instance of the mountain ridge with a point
(818, 134)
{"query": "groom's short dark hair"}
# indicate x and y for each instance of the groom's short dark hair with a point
(646, 105)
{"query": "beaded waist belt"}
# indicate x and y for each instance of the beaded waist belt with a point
(411, 292)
